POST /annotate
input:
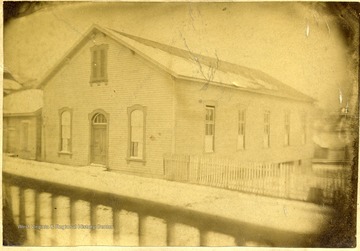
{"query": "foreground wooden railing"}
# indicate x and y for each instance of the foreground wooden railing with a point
(176, 221)
(283, 180)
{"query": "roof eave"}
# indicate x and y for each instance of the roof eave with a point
(24, 114)
(68, 55)
(82, 41)
(307, 99)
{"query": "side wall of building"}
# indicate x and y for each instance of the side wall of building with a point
(132, 80)
(192, 98)
(19, 136)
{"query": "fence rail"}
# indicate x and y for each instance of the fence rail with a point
(26, 197)
(283, 180)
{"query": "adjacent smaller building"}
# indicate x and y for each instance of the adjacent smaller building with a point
(333, 138)
(22, 123)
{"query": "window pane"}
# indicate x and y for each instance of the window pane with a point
(140, 149)
(65, 118)
(209, 128)
(209, 113)
(209, 143)
(94, 63)
(65, 145)
(102, 63)
(134, 149)
(65, 132)
(241, 142)
(137, 118)
(136, 133)
(266, 139)
(287, 129)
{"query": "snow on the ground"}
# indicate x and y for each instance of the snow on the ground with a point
(292, 216)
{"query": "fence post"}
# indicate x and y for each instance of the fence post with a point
(116, 225)
(93, 220)
(141, 229)
(170, 232)
(73, 221)
(203, 235)
(37, 217)
(54, 219)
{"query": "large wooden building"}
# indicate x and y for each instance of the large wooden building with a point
(123, 102)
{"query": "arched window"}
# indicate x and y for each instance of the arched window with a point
(65, 131)
(136, 132)
(99, 119)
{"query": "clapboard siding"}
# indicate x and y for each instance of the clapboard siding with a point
(191, 98)
(131, 80)
(13, 144)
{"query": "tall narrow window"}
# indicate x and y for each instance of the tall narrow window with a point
(209, 129)
(136, 148)
(266, 140)
(25, 136)
(99, 63)
(287, 129)
(136, 134)
(241, 130)
(65, 131)
(303, 128)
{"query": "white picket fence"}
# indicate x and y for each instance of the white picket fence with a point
(282, 180)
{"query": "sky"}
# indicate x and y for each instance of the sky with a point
(298, 43)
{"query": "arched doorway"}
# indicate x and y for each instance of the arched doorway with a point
(99, 127)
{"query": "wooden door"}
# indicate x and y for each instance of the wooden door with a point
(99, 144)
(11, 140)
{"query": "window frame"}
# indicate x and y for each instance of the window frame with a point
(129, 157)
(60, 150)
(287, 128)
(213, 126)
(241, 124)
(267, 128)
(101, 65)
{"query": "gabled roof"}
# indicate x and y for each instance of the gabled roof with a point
(26, 102)
(185, 64)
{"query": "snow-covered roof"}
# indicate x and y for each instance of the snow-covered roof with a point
(185, 64)
(11, 85)
(331, 140)
(24, 102)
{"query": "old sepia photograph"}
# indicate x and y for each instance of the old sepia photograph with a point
(191, 124)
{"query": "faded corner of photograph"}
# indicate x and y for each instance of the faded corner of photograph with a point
(180, 124)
